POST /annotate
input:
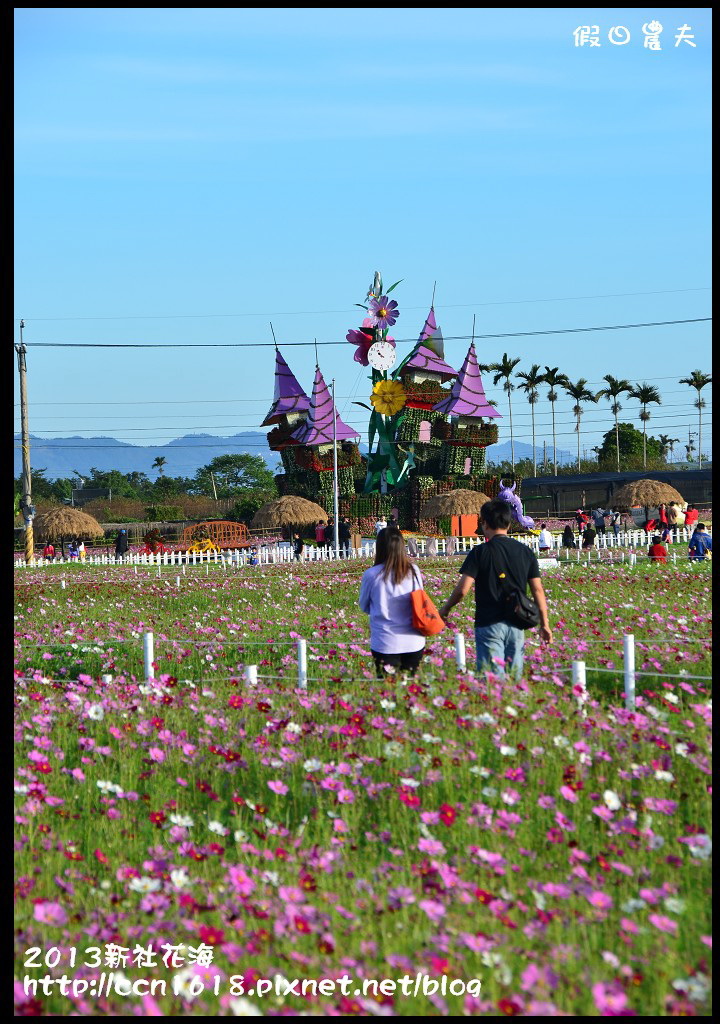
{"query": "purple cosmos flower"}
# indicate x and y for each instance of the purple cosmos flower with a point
(383, 312)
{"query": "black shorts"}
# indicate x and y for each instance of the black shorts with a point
(404, 662)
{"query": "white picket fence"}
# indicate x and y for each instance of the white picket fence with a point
(273, 554)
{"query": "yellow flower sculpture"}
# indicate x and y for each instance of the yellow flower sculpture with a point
(388, 397)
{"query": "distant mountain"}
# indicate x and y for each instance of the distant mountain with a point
(69, 456)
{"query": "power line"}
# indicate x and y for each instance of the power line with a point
(351, 309)
(311, 344)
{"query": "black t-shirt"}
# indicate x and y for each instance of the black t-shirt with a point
(511, 557)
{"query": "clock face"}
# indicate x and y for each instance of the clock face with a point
(382, 355)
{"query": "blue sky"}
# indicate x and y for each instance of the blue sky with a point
(189, 175)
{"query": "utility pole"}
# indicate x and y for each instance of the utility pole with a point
(26, 506)
(336, 526)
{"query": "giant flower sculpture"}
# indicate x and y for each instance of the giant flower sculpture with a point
(383, 312)
(388, 397)
(363, 339)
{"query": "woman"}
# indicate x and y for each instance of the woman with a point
(691, 516)
(568, 537)
(385, 596)
(298, 546)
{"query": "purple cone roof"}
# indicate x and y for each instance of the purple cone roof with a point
(289, 396)
(432, 334)
(318, 427)
(467, 397)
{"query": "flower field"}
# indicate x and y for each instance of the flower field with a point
(553, 856)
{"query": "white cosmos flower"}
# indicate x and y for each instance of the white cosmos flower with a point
(179, 878)
(242, 1007)
(183, 820)
(145, 884)
(561, 741)
(312, 765)
(294, 728)
(239, 836)
(96, 712)
(674, 905)
(218, 828)
(510, 710)
(507, 751)
(664, 776)
(410, 782)
(612, 800)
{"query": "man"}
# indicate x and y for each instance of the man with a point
(487, 567)
(614, 520)
(121, 545)
(599, 521)
(545, 540)
(344, 535)
(588, 538)
(700, 544)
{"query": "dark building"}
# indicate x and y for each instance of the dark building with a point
(560, 495)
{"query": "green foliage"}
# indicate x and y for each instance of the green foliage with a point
(631, 449)
(163, 513)
(232, 474)
(245, 507)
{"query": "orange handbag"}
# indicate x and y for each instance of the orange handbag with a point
(425, 616)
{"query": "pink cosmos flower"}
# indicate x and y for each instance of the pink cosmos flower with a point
(599, 899)
(663, 924)
(50, 913)
(156, 754)
(346, 796)
(434, 910)
(278, 787)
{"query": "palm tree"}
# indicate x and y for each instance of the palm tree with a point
(580, 393)
(531, 378)
(668, 443)
(645, 394)
(159, 463)
(614, 389)
(553, 378)
(504, 369)
(698, 380)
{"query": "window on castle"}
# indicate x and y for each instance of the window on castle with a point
(468, 467)
(424, 434)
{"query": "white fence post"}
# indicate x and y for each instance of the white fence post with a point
(302, 663)
(579, 684)
(629, 668)
(251, 675)
(107, 679)
(460, 652)
(149, 656)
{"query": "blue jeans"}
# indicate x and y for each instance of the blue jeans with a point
(500, 643)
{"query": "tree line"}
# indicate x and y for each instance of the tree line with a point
(646, 394)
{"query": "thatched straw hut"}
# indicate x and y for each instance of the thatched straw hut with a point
(61, 523)
(648, 493)
(460, 502)
(289, 511)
